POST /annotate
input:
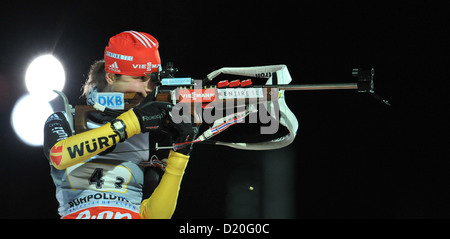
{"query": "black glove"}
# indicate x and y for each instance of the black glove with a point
(183, 132)
(152, 115)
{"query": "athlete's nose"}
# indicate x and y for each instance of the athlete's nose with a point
(147, 87)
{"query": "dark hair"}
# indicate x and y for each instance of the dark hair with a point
(96, 78)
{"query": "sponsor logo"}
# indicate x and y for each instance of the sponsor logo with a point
(119, 56)
(91, 146)
(200, 95)
(139, 66)
(56, 154)
(114, 67)
(97, 196)
(263, 74)
(101, 206)
(112, 100)
(240, 93)
(148, 66)
(103, 213)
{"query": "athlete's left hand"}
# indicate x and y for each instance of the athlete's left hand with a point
(183, 132)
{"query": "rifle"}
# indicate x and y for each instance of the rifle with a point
(198, 96)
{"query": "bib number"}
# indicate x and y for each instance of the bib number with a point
(99, 177)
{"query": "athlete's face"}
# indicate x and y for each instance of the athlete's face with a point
(125, 83)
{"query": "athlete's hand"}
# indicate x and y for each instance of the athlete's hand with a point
(183, 132)
(152, 115)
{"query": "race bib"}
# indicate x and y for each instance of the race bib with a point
(99, 177)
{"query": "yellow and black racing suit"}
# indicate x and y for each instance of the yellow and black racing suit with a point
(96, 176)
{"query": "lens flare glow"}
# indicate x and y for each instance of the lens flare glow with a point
(28, 118)
(44, 75)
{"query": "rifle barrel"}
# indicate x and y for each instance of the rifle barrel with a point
(332, 86)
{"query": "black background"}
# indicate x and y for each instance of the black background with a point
(354, 156)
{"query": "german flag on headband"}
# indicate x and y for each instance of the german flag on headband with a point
(132, 53)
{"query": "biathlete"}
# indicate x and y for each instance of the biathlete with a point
(99, 173)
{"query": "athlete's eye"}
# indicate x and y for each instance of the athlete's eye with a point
(141, 78)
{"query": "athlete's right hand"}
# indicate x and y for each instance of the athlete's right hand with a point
(152, 115)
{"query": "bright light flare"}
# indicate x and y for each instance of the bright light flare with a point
(28, 118)
(44, 75)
